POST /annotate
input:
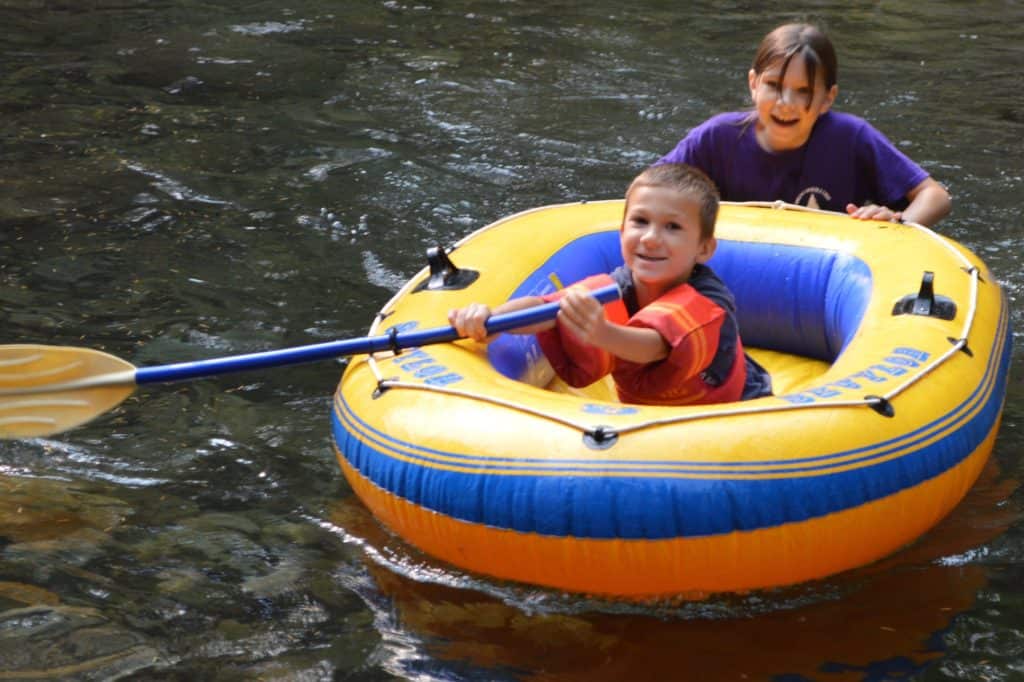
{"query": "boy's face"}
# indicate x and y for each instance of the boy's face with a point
(661, 239)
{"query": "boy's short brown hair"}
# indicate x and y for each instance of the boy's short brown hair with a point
(688, 180)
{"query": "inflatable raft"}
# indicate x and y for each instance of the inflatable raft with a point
(888, 347)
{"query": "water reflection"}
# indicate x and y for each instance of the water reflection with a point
(850, 627)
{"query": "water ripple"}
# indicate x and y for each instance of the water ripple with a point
(270, 27)
(173, 188)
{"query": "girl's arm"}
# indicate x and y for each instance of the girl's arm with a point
(929, 203)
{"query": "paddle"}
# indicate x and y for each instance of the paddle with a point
(49, 389)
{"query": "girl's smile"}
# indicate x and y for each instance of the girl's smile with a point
(787, 106)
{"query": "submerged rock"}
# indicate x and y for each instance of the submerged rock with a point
(61, 642)
(37, 510)
(23, 593)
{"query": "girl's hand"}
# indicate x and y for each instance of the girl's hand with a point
(583, 315)
(874, 212)
(470, 321)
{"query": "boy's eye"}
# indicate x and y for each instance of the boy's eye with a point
(674, 226)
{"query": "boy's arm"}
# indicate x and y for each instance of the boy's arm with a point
(634, 344)
(584, 316)
(470, 320)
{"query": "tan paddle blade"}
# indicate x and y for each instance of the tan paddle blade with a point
(48, 389)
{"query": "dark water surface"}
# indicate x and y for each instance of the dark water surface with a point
(163, 170)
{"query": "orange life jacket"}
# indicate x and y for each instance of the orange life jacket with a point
(690, 324)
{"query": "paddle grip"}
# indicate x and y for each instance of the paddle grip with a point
(543, 312)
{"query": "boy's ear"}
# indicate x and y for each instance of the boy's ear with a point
(706, 249)
(752, 82)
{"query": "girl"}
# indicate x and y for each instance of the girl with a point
(792, 147)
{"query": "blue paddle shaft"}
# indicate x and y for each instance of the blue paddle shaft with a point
(366, 344)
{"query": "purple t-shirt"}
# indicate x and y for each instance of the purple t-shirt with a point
(845, 160)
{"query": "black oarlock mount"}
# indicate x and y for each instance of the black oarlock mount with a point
(444, 276)
(925, 302)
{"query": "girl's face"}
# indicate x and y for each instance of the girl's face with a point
(661, 240)
(786, 111)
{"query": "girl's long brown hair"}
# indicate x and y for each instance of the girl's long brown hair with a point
(789, 40)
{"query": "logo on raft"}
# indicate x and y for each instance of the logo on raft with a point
(422, 365)
(594, 408)
(897, 364)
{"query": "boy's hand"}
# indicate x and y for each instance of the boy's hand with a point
(583, 315)
(470, 321)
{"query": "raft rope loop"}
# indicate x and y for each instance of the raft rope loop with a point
(872, 401)
(481, 397)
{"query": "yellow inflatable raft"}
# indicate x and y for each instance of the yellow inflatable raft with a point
(888, 347)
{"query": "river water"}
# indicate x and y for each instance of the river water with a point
(183, 180)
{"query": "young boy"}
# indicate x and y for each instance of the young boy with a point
(673, 338)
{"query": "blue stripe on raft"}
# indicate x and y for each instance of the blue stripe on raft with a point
(653, 507)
